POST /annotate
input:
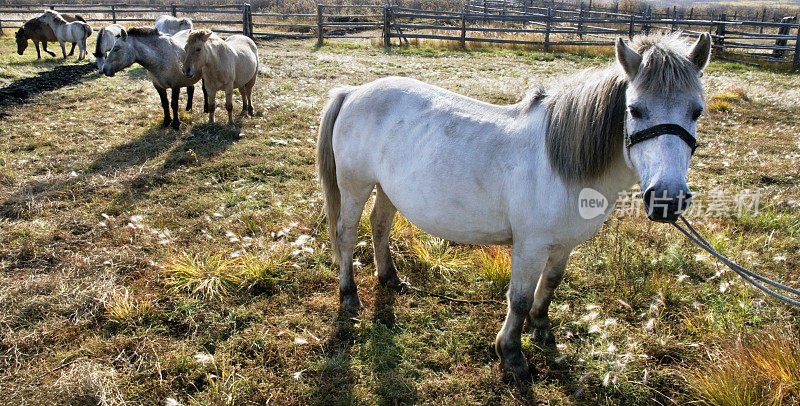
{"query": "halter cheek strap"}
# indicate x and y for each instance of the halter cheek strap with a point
(662, 129)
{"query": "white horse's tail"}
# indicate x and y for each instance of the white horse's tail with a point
(326, 164)
(87, 29)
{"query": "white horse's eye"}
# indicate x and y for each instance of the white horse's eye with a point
(697, 113)
(635, 112)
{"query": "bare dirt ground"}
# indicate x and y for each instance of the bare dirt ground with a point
(139, 264)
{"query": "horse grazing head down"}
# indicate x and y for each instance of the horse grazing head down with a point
(195, 49)
(22, 40)
(664, 99)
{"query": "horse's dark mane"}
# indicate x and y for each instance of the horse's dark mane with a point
(97, 52)
(143, 32)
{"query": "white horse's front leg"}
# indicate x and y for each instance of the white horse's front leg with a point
(538, 321)
(528, 262)
(63, 48)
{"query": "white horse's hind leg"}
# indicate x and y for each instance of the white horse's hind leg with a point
(528, 262)
(538, 321)
(82, 49)
(353, 198)
(381, 220)
(229, 103)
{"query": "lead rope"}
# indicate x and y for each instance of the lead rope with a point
(745, 273)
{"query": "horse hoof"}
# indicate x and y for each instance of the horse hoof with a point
(166, 123)
(176, 126)
(350, 304)
(543, 335)
(520, 374)
(395, 284)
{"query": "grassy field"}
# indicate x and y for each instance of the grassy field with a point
(145, 266)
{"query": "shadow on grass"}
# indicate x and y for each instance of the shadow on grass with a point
(336, 378)
(385, 355)
(204, 142)
(20, 91)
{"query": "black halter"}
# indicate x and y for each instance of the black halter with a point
(662, 129)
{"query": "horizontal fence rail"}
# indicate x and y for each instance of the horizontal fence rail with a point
(525, 22)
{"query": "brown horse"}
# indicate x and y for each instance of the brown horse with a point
(38, 31)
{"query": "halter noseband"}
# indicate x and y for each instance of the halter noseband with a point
(661, 129)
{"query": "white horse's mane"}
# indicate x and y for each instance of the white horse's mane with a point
(586, 113)
(56, 16)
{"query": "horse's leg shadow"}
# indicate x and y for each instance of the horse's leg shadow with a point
(335, 381)
(392, 385)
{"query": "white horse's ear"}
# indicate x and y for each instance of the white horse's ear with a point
(123, 34)
(628, 58)
(701, 51)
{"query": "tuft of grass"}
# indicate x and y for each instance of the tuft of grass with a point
(122, 308)
(440, 255)
(719, 105)
(494, 265)
(260, 273)
(765, 371)
(210, 276)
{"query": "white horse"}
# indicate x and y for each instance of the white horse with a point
(478, 173)
(105, 41)
(170, 25)
(76, 31)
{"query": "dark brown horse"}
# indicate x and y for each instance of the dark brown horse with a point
(37, 31)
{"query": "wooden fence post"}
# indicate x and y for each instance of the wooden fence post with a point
(646, 23)
(580, 22)
(796, 59)
(113, 14)
(1, 26)
(463, 29)
(549, 22)
(174, 10)
(674, 18)
(763, 15)
(781, 42)
(320, 28)
(387, 39)
(247, 21)
(720, 40)
(632, 27)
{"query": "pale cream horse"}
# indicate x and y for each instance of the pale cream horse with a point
(225, 65)
(478, 173)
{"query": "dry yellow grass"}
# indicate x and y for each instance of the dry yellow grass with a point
(763, 371)
(97, 199)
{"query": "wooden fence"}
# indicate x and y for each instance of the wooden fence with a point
(330, 20)
(522, 22)
(480, 21)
